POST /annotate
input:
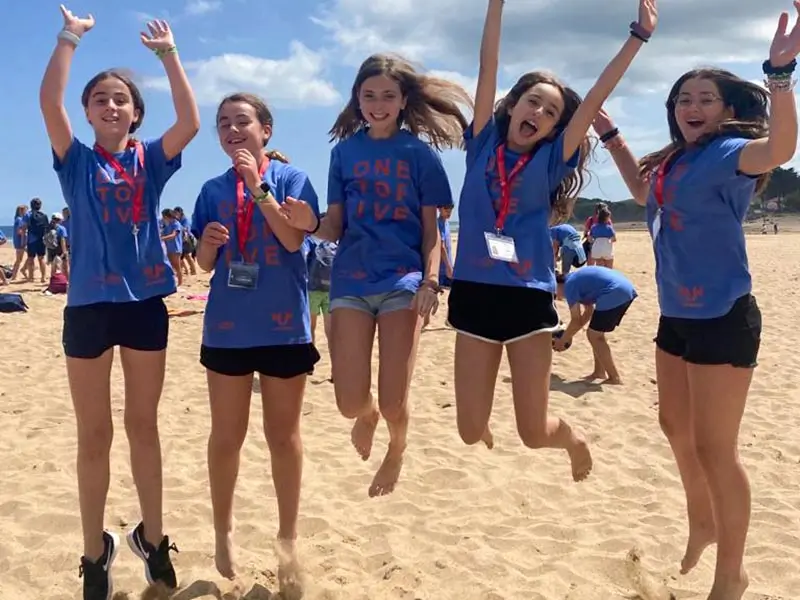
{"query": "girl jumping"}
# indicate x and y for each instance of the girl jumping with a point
(257, 318)
(526, 161)
(119, 277)
(384, 186)
(726, 135)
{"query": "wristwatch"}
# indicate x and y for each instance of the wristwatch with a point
(264, 195)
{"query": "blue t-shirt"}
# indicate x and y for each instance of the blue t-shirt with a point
(276, 313)
(602, 230)
(175, 245)
(528, 221)
(566, 236)
(701, 258)
(20, 239)
(444, 232)
(383, 185)
(61, 234)
(66, 225)
(105, 264)
(600, 287)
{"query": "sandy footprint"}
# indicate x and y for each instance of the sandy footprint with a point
(643, 583)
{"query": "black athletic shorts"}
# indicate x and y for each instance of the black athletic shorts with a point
(36, 248)
(92, 329)
(606, 321)
(283, 362)
(499, 313)
(53, 253)
(732, 339)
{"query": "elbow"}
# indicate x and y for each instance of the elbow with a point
(783, 153)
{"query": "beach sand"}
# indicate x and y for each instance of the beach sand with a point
(465, 523)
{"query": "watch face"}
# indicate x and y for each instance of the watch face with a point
(265, 187)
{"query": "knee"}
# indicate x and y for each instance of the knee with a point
(95, 441)
(394, 411)
(283, 440)
(532, 438)
(713, 457)
(226, 442)
(673, 428)
(141, 427)
(352, 405)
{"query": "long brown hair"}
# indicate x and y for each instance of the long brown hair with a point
(432, 104)
(263, 114)
(21, 210)
(748, 102)
(563, 199)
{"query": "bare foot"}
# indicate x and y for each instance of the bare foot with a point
(363, 433)
(487, 438)
(731, 589)
(223, 555)
(580, 457)
(388, 473)
(699, 540)
(595, 375)
(291, 582)
(612, 381)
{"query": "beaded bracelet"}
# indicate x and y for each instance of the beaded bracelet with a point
(161, 53)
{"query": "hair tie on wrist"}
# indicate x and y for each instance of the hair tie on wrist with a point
(69, 36)
(316, 229)
(785, 70)
(639, 32)
(608, 135)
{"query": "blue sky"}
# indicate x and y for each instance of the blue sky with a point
(302, 57)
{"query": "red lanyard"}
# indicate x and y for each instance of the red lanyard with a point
(244, 213)
(661, 175)
(505, 183)
(138, 187)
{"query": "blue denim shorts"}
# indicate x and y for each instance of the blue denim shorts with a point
(377, 304)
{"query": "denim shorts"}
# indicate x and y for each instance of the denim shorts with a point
(377, 304)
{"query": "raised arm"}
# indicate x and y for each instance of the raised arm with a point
(763, 155)
(582, 119)
(486, 90)
(627, 163)
(54, 83)
(161, 41)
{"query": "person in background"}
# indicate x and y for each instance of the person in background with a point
(20, 243)
(67, 224)
(55, 241)
(603, 237)
(604, 295)
(567, 241)
(189, 248)
(172, 236)
(36, 225)
(321, 254)
(446, 262)
(3, 241)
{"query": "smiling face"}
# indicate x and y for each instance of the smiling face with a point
(238, 128)
(699, 108)
(534, 116)
(380, 100)
(110, 109)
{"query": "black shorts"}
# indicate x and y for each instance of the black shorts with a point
(36, 248)
(732, 339)
(499, 313)
(52, 253)
(92, 329)
(283, 362)
(606, 321)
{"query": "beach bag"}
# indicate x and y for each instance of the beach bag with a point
(10, 303)
(319, 275)
(51, 239)
(58, 284)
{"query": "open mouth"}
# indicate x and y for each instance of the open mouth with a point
(379, 117)
(696, 124)
(528, 128)
(111, 119)
(235, 140)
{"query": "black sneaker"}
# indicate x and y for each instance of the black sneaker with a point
(97, 582)
(157, 564)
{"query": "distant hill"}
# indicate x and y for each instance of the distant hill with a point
(782, 195)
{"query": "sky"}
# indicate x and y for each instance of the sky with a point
(302, 57)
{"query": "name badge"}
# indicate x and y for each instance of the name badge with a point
(656, 225)
(243, 276)
(501, 247)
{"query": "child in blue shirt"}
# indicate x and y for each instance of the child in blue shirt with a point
(384, 186)
(119, 278)
(602, 238)
(727, 134)
(567, 243)
(172, 236)
(598, 297)
(525, 163)
(256, 319)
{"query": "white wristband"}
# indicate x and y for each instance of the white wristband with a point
(70, 37)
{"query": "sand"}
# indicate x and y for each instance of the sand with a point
(465, 523)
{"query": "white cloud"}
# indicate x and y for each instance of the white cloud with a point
(201, 7)
(292, 82)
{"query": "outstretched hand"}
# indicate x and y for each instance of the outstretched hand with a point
(785, 47)
(299, 214)
(602, 123)
(160, 37)
(76, 25)
(648, 15)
